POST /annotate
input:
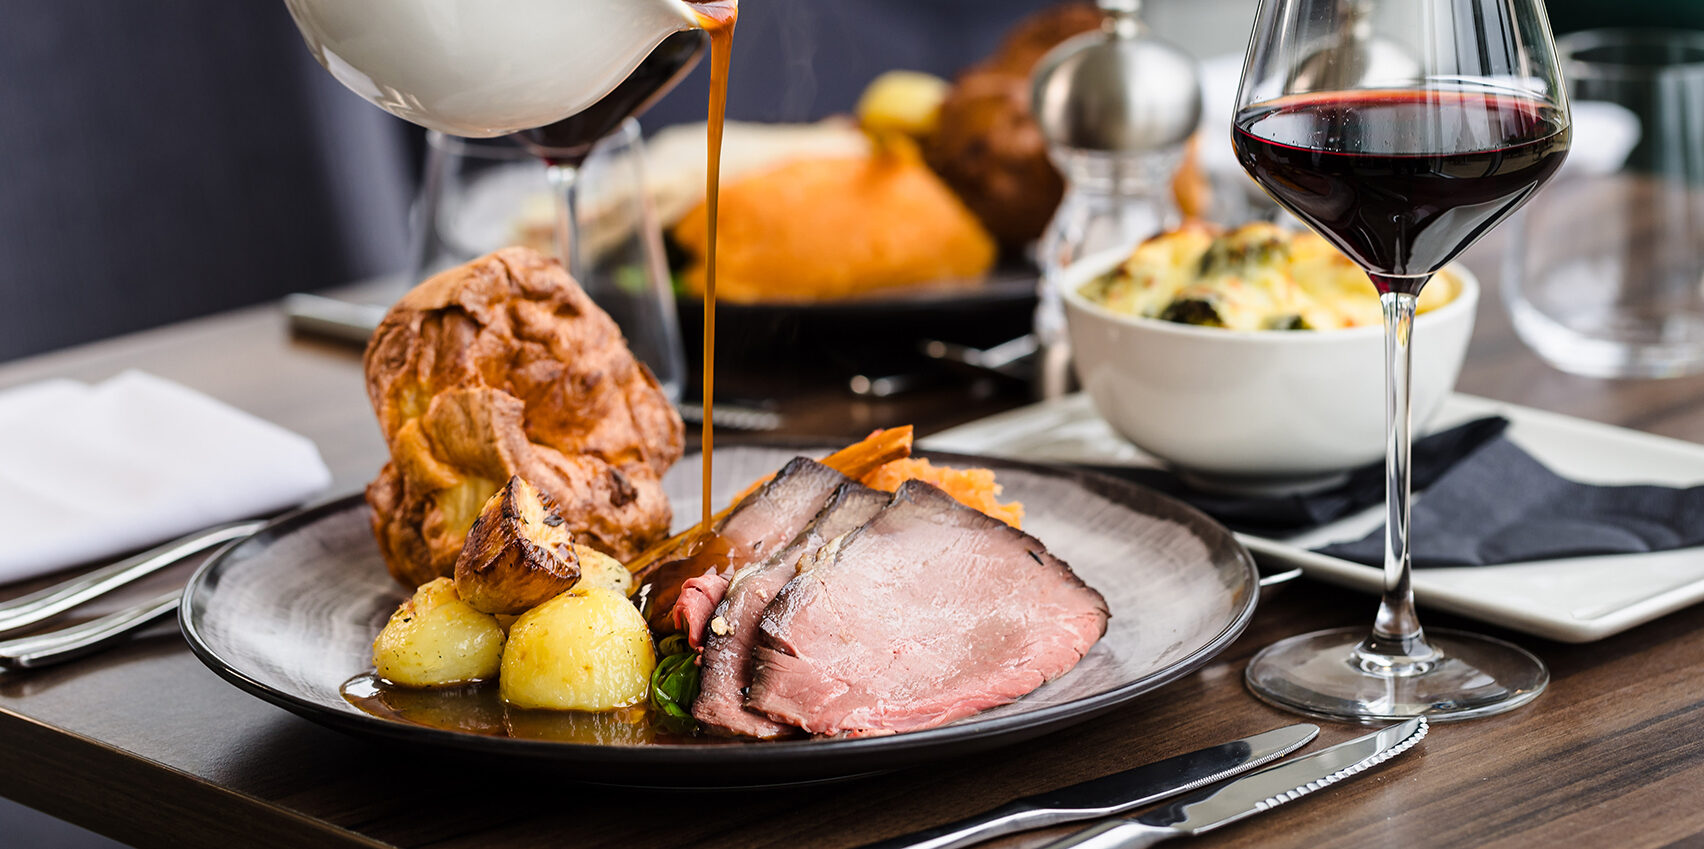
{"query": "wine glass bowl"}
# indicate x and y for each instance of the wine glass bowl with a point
(1402, 163)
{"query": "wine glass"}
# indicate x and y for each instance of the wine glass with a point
(479, 195)
(646, 314)
(1401, 131)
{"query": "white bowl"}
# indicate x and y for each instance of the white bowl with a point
(1256, 408)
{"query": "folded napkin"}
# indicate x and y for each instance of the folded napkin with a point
(91, 471)
(1499, 505)
(1481, 500)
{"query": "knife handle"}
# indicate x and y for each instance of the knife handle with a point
(1009, 818)
(76, 641)
(1114, 834)
(24, 611)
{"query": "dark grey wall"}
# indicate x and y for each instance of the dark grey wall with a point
(798, 60)
(160, 160)
(165, 159)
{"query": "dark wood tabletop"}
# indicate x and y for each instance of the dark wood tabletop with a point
(146, 745)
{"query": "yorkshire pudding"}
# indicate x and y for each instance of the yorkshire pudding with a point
(504, 367)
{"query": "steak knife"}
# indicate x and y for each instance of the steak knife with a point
(1112, 794)
(1251, 794)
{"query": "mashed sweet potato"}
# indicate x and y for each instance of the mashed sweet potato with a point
(971, 487)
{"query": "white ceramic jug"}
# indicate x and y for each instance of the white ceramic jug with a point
(486, 67)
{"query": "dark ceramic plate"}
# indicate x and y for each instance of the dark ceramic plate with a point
(289, 615)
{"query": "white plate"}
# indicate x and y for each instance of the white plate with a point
(1574, 600)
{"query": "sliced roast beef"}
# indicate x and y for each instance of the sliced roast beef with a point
(733, 631)
(697, 603)
(928, 613)
(758, 526)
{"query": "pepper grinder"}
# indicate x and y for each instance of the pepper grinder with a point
(1116, 106)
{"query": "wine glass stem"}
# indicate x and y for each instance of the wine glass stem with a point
(564, 183)
(1397, 646)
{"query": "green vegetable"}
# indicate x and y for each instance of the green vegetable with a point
(674, 684)
(1288, 322)
(1192, 311)
(632, 279)
(1226, 257)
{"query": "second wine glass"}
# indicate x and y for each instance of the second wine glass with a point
(1401, 131)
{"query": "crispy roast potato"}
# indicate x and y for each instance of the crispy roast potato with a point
(436, 640)
(519, 553)
(587, 649)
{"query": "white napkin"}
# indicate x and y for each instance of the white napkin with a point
(92, 471)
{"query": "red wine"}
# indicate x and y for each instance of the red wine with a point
(1401, 181)
(569, 141)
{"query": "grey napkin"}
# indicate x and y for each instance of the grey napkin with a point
(1499, 505)
(1482, 501)
(1283, 515)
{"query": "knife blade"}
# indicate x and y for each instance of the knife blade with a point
(1113, 794)
(1251, 794)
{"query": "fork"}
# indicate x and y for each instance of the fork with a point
(78, 640)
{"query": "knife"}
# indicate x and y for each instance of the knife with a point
(1112, 794)
(1251, 794)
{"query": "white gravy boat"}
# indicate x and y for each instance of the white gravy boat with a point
(484, 68)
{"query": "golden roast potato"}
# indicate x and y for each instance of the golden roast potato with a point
(436, 640)
(587, 649)
(598, 569)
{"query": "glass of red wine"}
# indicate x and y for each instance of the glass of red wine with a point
(1401, 131)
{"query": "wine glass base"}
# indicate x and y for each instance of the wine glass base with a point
(1473, 676)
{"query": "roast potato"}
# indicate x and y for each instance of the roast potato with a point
(598, 569)
(519, 553)
(436, 640)
(587, 649)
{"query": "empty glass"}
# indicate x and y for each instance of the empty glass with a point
(1605, 272)
(480, 195)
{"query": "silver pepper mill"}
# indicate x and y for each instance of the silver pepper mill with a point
(1116, 107)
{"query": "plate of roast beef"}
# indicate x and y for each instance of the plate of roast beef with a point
(844, 629)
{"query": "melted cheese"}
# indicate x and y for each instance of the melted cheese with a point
(1257, 277)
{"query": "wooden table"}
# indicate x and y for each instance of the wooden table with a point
(144, 744)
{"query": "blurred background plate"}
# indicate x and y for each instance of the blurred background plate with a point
(875, 333)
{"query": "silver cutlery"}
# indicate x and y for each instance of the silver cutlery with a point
(45, 649)
(1251, 794)
(335, 318)
(39, 650)
(1113, 794)
(733, 417)
(1000, 359)
(27, 610)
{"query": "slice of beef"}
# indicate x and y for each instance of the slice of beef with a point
(757, 527)
(697, 603)
(733, 630)
(928, 613)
